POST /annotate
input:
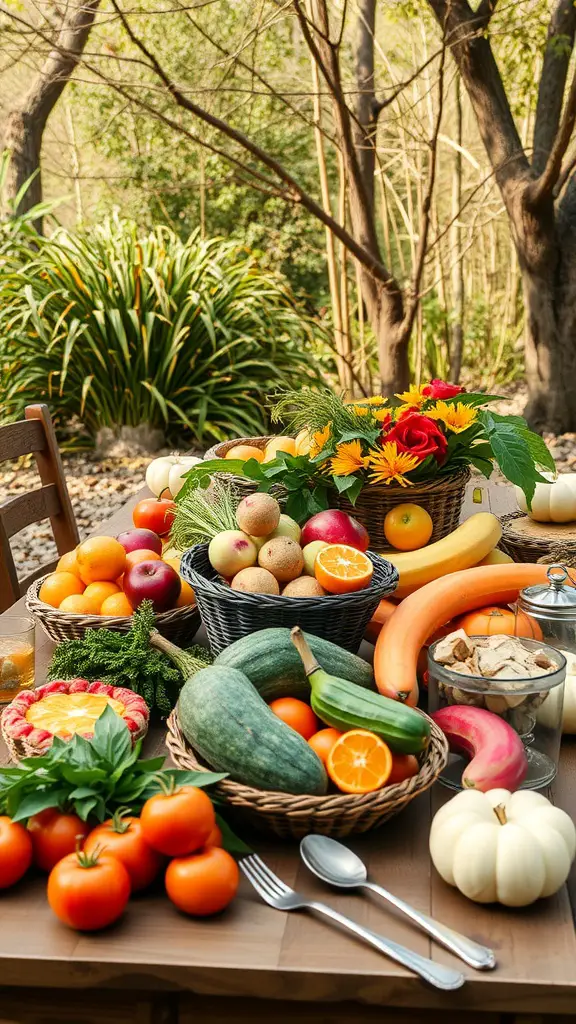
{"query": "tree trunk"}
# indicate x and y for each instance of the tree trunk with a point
(25, 125)
(457, 258)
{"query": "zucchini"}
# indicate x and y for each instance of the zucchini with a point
(274, 667)
(345, 706)
(226, 720)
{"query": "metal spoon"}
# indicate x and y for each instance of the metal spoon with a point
(336, 864)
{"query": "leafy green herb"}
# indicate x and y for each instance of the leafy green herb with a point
(128, 659)
(94, 778)
(202, 513)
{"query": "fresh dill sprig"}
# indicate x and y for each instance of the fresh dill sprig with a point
(202, 513)
(313, 408)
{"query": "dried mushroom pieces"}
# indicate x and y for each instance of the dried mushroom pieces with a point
(494, 657)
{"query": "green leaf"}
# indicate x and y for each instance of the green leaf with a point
(473, 399)
(86, 807)
(344, 483)
(111, 740)
(354, 491)
(34, 803)
(513, 456)
(484, 466)
(230, 841)
(299, 505)
(371, 436)
(253, 470)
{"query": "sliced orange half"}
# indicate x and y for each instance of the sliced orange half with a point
(341, 569)
(359, 762)
(64, 714)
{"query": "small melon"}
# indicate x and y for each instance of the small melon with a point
(304, 586)
(287, 528)
(282, 556)
(279, 444)
(310, 552)
(303, 442)
(245, 452)
(255, 581)
(258, 514)
(231, 551)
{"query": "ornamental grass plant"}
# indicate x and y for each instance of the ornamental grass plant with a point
(115, 328)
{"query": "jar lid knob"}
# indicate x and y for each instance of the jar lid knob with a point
(557, 574)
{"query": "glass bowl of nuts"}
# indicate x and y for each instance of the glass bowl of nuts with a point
(519, 680)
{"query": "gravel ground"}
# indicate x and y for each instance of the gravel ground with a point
(99, 487)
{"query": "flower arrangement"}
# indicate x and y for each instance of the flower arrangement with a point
(429, 431)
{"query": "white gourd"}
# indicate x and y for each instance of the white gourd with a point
(554, 502)
(164, 475)
(502, 847)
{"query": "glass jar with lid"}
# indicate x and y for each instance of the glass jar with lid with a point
(553, 607)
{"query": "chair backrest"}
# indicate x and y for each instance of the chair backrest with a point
(34, 435)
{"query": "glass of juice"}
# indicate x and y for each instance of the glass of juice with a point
(16, 656)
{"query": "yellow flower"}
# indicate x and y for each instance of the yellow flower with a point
(320, 440)
(457, 416)
(414, 396)
(373, 400)
(381, 415)
(389, 464)
(359, 410)
(348, 459)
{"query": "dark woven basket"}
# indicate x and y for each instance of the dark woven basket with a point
(230, 614)
(527, 541)
(179, 625)
(442, 499)
(337, 814)
(242, 484)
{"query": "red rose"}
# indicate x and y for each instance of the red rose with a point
(418, 435)
(441, 389)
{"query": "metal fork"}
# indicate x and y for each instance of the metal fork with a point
(278, 895)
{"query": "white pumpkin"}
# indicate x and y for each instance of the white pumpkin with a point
(164, 476)
(501, 847)
(569, 707)
(554, 502)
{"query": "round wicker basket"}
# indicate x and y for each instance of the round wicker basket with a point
(178, 625)
(335, 815)
(241, 483)
(528, 541)
(230, 614)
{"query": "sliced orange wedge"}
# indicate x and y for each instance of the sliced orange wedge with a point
(64, 714)
(359, 762)
(341, 569)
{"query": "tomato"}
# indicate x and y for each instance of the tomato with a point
(54, 836)
(122, 838)
(323, 741)
(204, 883)
(408, 527)
(298, 715)
(215, 837)
(156, 514)
(178, 823)
(15, 852)
(404, 766)
(88, 893)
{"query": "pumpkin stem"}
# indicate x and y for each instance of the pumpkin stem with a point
(500, 812)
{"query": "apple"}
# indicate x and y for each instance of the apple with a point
(335, 527)
(136, 540)
(153, 581)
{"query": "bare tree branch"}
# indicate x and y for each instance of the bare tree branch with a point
(559, 45)
(541, 189)
(484, 12)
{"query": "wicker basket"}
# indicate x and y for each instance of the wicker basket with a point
(527, 541)
(178, 625)
(230, 614)
(335, 815)
(242, 484)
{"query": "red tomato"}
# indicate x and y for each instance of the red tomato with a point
(15, 852)
(54, 836)
(404, 766)
(215, 837)
(122, 838)
(88, 893)
(204, 883)
(178, 823)
(156, 514)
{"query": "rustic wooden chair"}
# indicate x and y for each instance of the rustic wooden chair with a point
(34, 435)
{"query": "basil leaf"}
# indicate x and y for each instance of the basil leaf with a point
(230, 841)
(34, 803)
(111, 738)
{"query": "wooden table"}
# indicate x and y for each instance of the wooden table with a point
(255, 964)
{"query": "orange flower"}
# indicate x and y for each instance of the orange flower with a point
(320, 440)
(348, 459)
(389, 465)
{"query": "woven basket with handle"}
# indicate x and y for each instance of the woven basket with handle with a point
(178, 625)
(441, 498)
(337, 814)
(528, 541)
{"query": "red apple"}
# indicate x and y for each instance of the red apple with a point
(153, 581)
(137, 540)
(335, 527)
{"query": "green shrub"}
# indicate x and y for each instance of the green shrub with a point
(117, 329)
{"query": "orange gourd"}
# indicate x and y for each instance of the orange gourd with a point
(494, 619)
(385, 609)
(419, 614)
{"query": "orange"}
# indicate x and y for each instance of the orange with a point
(116, 604)
(341, 569)
(295, 713)
(245, 452)
(59, 585)
(174, 561)
(203, 883)
(408, 527)
(323, 741)
(64, 714)
(359, 762)
(96, 593)
(279, 444)
(186, 595)
(144, 555)
(303, 442)
(76, 604)
(100, 558)
(68, 563)
(404, 766)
